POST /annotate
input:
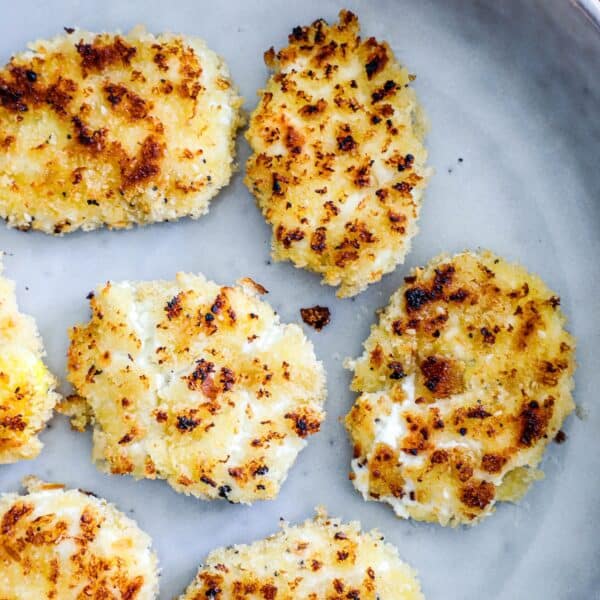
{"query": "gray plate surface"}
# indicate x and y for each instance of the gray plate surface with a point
(511, 87)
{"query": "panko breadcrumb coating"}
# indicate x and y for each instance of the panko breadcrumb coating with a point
(322, 559)
(59, 544)
(197, 384)
(463, 383)
(27, 395)
(112, 129)
(338, 168)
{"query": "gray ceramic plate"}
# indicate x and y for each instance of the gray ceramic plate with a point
(511, 87)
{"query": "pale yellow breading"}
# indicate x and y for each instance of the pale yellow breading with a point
(112, 129)
(198, 384)
(463, 383)
(338, 168)
(322, 559)
(58, 544)
(27, 395)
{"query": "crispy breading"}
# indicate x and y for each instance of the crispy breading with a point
(463, 383)
(27, 395)
(338, 168)
(111, 129)
(59, 544)
(198, 384)
(320, 559)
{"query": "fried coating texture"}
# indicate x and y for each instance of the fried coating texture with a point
(59, 544)
(115, 130)
(27, 395)
(195, 383)
(338, 168)
(463, 383)
(322, 559)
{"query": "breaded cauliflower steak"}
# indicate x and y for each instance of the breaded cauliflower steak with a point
(68, 545)
(463, 383)
(113, 130)
(320, 559)
(197, 384)
(338, 168)
(27, 395)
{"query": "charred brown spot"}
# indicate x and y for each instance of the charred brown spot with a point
(478, 412)
(208, 480)
(60, 94)
(318, 240)
(377, 59)
(161, 416)
(386, 90)
(305, 423)
(277, 187)
(129, 102)
(14, 94)
(362, 178)
(459, 296)
(287, 237)
(493, 463)
(554, 301)
(397, 327)
(439, 457)
(299, 34)
(160, 60)
(533, 421)
(441, 376)
(13, 515)
(146, 165)
(325, 53)
(14, 423)
(478, 495)
(98, 55)
(268, 591)
(294, 140)
(200, 380)
(218, 304)
(396, 370)
(345, 257)
(416, 298)
(173, 307)
(488, 336)
(376, 356)
(227, 379)
(346, 143)
(549, 372)
(313, 109)
(385, 475)
(93, 139)
(185, 423)
(316, 316)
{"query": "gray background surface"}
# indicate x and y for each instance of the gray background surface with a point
(513, 89)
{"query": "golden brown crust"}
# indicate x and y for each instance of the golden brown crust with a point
(322, 559)
(27, 388)
(113, 130)
(338, 168)
(463, 382)
(197, 384)
(61, 545)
